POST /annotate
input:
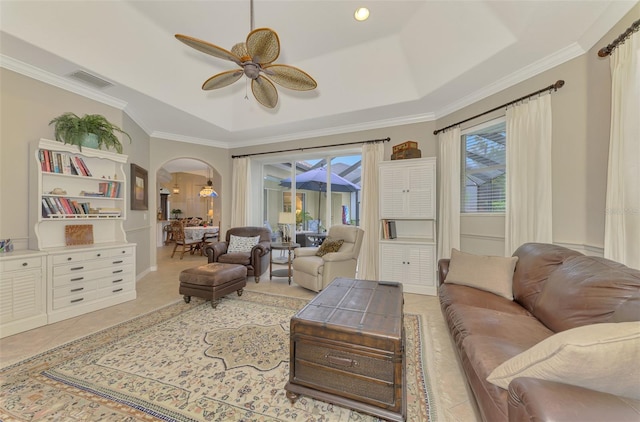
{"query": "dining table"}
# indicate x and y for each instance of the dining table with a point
(198, 232)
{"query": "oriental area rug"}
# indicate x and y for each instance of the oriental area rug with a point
(186, 363)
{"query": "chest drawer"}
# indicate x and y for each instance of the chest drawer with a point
(74, 289)
(21, 264)
(348, 360)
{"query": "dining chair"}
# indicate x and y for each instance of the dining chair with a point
(177, 229)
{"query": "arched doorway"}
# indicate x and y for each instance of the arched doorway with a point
(179, 182)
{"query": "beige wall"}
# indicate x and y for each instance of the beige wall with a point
(580, 130)
(581, 113)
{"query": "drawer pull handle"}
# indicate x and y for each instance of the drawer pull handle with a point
(117, 290)
(118, 280)
(99, 255)
(77, 279)
(77, 268)
(24, 264)
(77, 300)
(69, 258)
(118, 262)
(337, 360)
(117, 271)
(79, 289)
(124, 251)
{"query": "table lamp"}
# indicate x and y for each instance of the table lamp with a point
(284, 219)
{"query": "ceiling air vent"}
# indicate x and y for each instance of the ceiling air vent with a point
(90, 79)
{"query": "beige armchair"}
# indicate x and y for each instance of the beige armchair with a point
(316, 272)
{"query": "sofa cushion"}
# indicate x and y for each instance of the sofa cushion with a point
(464, 295)
(491, 273)
(602, 357)
(329, 245)
(242, 244)
(522, 331)
(535, 262)
(589, 290)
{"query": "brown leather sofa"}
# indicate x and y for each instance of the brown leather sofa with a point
(256, 261)
(564, 289)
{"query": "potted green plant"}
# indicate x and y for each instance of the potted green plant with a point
(176, 212)
(75, 130)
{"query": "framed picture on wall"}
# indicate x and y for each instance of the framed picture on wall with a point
(139, 188)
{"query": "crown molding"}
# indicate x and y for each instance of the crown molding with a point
(337, 130)
(58, 81)
(189, 139)
(557, 58)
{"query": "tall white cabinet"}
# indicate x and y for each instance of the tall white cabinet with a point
(77, 221)
(408, 197)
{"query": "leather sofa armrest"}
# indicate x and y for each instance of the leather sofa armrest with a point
(214, 250)
(533, 399)
(261, 249)
(443, 269)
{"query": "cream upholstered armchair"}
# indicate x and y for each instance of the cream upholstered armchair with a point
(316, 272)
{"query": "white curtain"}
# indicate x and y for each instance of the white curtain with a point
(449, 207)
(241, 187)
(372, 155)
(622, 213)
(528, 216)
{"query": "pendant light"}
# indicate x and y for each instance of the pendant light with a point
(176, 188)
(207, 191)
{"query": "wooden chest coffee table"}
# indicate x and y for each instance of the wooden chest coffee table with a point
(347, 348)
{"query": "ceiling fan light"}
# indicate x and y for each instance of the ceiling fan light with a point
(361, 14)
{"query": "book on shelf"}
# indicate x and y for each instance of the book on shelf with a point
(62, 163)
(389, 229)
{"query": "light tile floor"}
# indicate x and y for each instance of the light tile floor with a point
(160, 288)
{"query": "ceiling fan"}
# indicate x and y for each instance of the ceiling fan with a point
(255, 58)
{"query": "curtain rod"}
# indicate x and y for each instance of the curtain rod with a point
(605, 51)
(553, 87)
(372, 141)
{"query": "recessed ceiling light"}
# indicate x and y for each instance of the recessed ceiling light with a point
(362, 14)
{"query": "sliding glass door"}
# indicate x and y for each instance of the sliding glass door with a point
(310, 193)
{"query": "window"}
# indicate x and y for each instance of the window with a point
(483, 168)
(317, 206)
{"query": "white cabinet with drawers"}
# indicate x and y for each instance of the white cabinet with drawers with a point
(22, 291)
(86, 279)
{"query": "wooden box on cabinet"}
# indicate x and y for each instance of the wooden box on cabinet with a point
(22, 292)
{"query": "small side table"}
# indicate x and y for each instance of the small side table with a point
(284, 246)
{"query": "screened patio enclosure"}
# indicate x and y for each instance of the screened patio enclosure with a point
(316, 206)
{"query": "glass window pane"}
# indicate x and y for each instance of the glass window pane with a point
(483, 178)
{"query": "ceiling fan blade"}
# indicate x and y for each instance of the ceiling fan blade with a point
(264, 91)
(208, 48)
(222, 79)
(290, 77)
(240, 50)
(263, 45)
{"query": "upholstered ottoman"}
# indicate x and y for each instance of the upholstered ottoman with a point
(212, 281)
